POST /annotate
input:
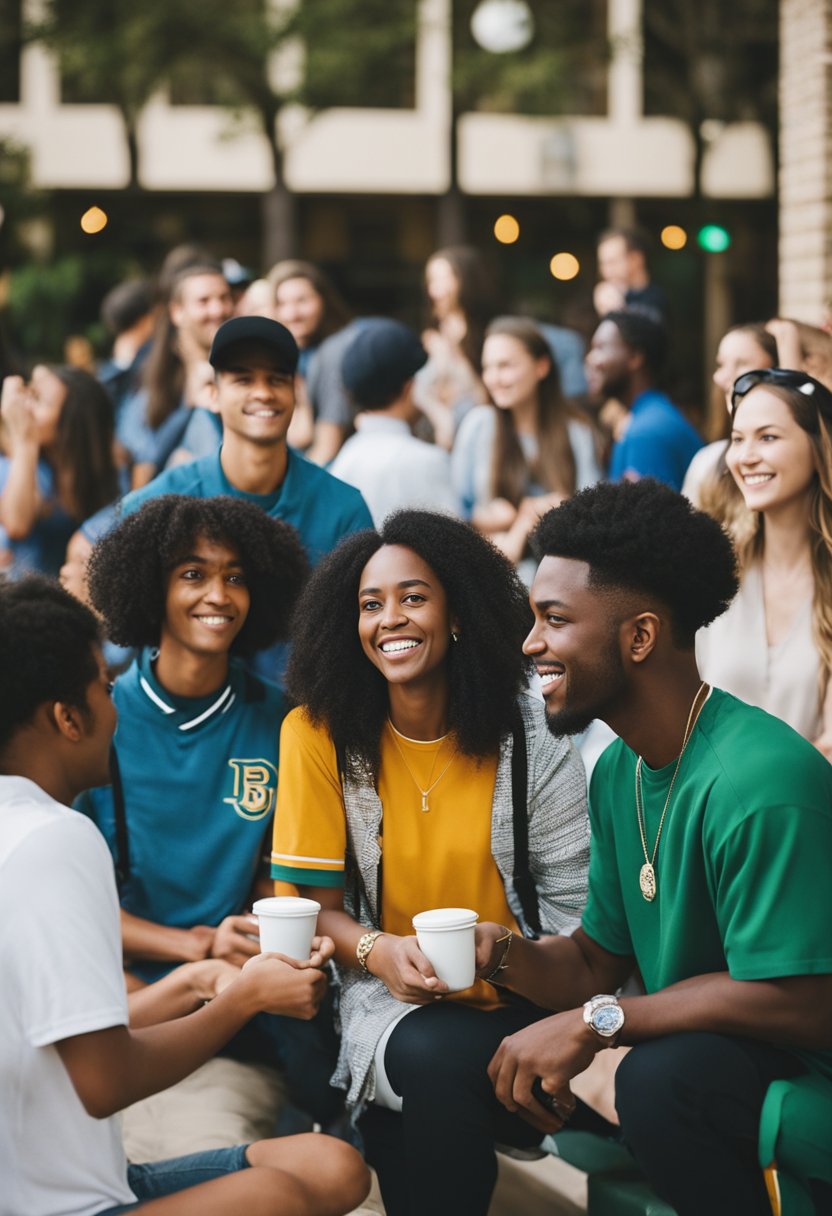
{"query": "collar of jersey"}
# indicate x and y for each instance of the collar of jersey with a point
(188, 713)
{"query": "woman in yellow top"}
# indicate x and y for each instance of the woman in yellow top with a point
(396, 796)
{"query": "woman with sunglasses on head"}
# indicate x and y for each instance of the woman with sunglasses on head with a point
(399, 793)
(773, 647)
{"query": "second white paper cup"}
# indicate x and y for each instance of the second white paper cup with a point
(287, 924)
(446, 937)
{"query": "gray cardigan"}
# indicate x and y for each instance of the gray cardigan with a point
(558, 860)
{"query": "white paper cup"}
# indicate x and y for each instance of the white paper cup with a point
(446, 937)
(287, 924)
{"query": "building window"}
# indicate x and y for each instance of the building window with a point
(562, 71)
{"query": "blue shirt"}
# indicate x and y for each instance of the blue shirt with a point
(43, 550)
(199, 777)
(659, 442)
(322, 508)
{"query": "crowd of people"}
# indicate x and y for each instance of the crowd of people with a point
(363, 595)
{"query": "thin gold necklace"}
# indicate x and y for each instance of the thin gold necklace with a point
(647, 874)
(425, 808)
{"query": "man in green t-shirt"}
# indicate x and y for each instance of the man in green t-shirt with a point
(709, 871)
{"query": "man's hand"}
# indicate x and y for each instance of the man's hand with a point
(555, 1049)
(405, 970)
(284, 985)
(236, 939)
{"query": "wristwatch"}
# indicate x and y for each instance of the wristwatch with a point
(604, 1015)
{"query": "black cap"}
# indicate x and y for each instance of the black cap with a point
(380, 360)
(254, 331)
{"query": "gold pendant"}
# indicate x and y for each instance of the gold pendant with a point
(425, 804)
(647, 882)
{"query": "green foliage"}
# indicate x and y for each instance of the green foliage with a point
(711, 60)
(358, 52)
(48, 303)
(561, 71)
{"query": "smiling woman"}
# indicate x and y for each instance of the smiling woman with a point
(408, 668)
(773, 647)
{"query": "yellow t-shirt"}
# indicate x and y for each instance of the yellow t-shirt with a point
(435, 859)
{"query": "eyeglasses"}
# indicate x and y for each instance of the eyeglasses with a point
(786, 378)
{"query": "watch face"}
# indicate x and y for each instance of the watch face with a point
(608, 1019)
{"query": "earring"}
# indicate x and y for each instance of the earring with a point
(454, 636)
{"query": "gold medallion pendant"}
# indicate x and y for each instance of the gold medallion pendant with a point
(647, 882)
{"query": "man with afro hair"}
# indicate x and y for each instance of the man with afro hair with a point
(711, 824)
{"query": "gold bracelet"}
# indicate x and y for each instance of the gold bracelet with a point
(365, 945)
(503, 963)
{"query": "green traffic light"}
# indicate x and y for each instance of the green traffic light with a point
(713, 238)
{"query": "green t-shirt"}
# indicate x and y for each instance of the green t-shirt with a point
(743, 867)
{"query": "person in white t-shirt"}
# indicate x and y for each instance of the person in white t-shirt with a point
(68, 1060)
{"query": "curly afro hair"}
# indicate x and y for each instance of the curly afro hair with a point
(644, 537)
(129, 567)
(47, 641)
(330, 674)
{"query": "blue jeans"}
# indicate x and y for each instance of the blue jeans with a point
(155, 1179)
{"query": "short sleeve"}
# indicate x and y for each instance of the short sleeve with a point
(604, 918)
(310, 832)
(69, 922)
(772, 894)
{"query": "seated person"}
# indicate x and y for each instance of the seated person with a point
(65, 1044)
(415, 747)
(196, 584)
(711, 837)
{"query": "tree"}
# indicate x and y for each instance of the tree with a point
(112, 51)
(708, 61)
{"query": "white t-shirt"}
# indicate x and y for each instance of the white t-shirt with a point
(61, 969)
(394, 470)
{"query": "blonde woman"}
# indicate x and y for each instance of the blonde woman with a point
(773, 647)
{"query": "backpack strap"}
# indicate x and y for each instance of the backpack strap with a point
(122, 857)
(524, 887)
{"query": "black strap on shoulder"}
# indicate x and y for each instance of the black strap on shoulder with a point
(122, 857)
(524, 887)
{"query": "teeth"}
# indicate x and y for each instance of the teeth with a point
(756, 479)
(549, 679)
(395, 647)
(214, 620)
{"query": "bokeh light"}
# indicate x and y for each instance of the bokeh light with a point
(94, 220)
(674, 237)
(713, 238)
(506, 229)
(564, 266)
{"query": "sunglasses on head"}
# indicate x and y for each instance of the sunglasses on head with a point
(786, 378)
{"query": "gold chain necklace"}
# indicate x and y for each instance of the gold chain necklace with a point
(425, 808)
(647, 873)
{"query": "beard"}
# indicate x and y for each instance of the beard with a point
(601, 683)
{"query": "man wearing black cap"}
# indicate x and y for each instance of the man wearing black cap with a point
(384, 460)
(254, 359)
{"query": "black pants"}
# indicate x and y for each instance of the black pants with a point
(437, 1156)
(690, 1107)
